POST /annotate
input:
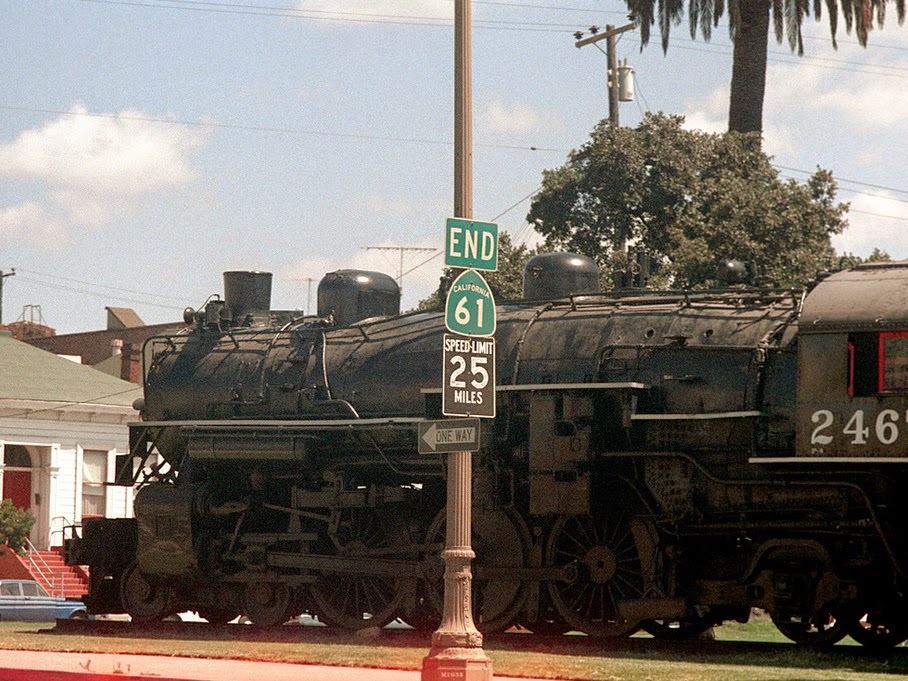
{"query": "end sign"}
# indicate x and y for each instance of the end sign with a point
(471, 244)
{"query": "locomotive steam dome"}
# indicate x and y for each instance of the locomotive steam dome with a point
(354, 295)
(556, 275)
(248, 297)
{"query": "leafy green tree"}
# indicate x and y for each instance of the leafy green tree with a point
(15, 524)
(849, 260)
(748, 24)
(690, 200)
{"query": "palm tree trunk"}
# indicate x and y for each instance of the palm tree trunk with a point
(748, 75)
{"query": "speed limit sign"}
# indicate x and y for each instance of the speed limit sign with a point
(468, 387)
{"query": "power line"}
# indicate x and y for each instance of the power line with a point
(400, 19)
(378, 138)
(401, 250)
(266, 129)
(902, 218)
(104, 296)
(850, 181)
(332, 15)
(104, 286)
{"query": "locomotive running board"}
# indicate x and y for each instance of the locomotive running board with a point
(640, 609)
(379, 567)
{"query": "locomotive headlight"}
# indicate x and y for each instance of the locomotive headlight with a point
(188, 316)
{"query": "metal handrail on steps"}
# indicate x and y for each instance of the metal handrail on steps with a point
(42, 569)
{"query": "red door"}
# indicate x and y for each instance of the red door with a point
(17, 487)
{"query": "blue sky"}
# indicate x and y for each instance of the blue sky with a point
(147, 146)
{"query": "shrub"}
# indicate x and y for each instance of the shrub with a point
(15, 524)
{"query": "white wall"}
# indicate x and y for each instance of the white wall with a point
(56, 438)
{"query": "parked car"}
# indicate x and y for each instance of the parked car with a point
(24, 599)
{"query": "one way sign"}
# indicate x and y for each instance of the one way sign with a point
(449, 435)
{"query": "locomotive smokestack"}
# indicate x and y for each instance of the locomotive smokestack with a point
(248, 297)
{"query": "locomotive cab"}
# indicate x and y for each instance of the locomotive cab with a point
(853, 366)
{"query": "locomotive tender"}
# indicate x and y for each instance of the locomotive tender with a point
(665, 460)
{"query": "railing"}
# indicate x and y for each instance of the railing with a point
(37, 565)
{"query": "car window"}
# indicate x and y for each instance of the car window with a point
(9, 590)
(32, 589)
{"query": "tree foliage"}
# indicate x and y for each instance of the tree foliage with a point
(689, 199)
(749, 21)
(787, 17)
(15, 524)
(848, 260)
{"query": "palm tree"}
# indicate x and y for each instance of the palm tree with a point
(748, 27)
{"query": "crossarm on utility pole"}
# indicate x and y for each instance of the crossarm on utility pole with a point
(4, 275)
(610, 34)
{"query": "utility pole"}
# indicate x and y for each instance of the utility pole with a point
(614, 77)
(402, 250)
(4, 275)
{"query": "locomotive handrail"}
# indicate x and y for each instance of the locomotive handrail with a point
(629, 385)
(697, 417)
(648, 297)
(235, 424)
(523, 336)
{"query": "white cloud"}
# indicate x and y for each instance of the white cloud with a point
(30, 220)
(710, 113)
(862, 86)
(516, 118)
(875, 222)
(92, 168)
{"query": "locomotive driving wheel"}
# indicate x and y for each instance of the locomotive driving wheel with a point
(881, 628)
(601, 563)
(143, 600)
(356, 601)
(822, 630)
(267, 604)
(500, 540)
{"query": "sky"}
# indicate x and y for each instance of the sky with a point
(147, 146)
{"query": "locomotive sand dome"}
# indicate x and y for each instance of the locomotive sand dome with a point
(350, 296)
(660, 459)
(555, 275)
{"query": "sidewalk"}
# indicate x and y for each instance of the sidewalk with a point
(22, 665)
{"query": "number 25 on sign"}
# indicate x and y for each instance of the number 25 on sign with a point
(470, 308)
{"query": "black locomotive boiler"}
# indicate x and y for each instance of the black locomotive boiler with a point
(665, 460)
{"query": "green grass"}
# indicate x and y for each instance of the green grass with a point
(752, 652)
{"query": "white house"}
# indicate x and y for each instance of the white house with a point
(61, 425)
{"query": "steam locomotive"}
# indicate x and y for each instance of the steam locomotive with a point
(664, 460)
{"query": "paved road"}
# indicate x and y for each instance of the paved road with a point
(19, 665)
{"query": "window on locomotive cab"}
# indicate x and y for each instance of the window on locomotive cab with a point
(893, 363)
(863, 364)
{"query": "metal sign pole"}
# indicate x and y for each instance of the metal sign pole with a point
(456, 652)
